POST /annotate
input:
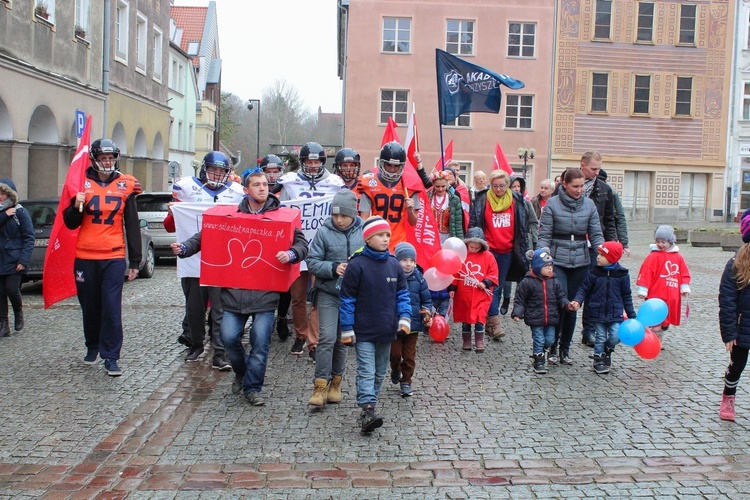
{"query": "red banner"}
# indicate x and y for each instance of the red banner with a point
(501, 162)
(390, 133)
(61, 251)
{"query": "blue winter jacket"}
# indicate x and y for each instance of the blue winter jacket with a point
(734, 324)
(374, 296)
(16, 233)
(607, 293)
(419, 297)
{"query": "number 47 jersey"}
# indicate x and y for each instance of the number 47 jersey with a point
(295, 185)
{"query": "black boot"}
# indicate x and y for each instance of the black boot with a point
(282, 328)
(18, 320)
(608, 356)
(504, 306)
(600, 363)
(540, 363)
(4, 328)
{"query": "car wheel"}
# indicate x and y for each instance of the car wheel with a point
(148, 267)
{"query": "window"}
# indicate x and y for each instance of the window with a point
(460, 37)
(463, 121)
(179, 135)
(746, 102)
(645, 22)
(180, 78)
(82, 17)
(173, 76)
(518, 109)
(464, 167)
(394, 103)
(192, 49)
(191, 139)
(121, 31)
(687, 24)
(397, 35)
(45, 9)
(599, 92)
(603, 20)
(158, 41)
(642, 95)
(141, 42)
(521, 39)
(684, 98)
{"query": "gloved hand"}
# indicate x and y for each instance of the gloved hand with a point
(404, 326)
(348, 338)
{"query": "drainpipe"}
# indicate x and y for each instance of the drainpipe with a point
(106, 49)
(345, 23)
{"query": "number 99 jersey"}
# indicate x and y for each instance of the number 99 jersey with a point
(387, 202)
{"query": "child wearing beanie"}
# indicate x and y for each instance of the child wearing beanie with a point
(539, 299)
(606, 292)
(670, 286)
(375, 306)
(404, 348)
(734, 311)
(472, 289)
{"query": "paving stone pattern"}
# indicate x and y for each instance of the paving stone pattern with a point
(478, 425)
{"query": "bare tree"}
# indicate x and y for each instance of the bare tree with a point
(284, 114)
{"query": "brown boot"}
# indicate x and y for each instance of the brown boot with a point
(467, 341)
(334, 390)
(494, 331)
(320, 393)
(479, 341)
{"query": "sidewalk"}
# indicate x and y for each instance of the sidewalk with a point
(478, 426)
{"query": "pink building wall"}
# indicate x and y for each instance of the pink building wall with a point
(369, 70)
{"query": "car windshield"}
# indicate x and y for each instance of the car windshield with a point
(42, 213)
(147, 203)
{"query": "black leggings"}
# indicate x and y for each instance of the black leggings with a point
(10, 289)
(738, 360)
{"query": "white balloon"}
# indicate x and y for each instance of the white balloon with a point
(457, 245)
(436, 280)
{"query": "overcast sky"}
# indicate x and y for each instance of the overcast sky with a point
(294, 40)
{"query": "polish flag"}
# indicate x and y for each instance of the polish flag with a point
(390, 133)
(447, 156)
(61, 251)
(501, 162)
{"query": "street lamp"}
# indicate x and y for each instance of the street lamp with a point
(250, 106)
(526, 155)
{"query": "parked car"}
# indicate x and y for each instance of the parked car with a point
(43, 212)
(152, 207)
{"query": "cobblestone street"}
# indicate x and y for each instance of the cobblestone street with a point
(478, 425)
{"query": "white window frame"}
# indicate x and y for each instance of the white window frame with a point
(122, 35)
(464, 28)
(522, 36)
(396, 30)
(746, 100)
(645, 27)
(83, 14)
(158, 53)
(141, 43)
(399, 108)
(50, 9)
(677, 95)
(462, 121)
(515, 118)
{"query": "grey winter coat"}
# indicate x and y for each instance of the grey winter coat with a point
(564, 226)
(251, 301)
(330, 247)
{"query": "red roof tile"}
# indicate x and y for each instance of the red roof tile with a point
(191, 20)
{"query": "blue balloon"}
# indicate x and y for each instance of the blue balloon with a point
(653, 312)
(631, 332)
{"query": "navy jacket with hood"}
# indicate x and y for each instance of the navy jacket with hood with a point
(16, 233)
(607, 293)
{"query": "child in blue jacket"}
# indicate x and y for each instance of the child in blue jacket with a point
(606, 291)
(374, 306)
(404, 348)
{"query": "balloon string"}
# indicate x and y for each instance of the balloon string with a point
(473, 281)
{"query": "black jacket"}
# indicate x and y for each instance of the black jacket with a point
(538, 300)
(607, 294)
(604, 199)
(734, 309)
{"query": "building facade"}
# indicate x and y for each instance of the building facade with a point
(738, 153)
(50, 68)
(183, 99)
(387, 62)
(647, 85)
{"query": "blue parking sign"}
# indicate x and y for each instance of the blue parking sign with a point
(80, 122)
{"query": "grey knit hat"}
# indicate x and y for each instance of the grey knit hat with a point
(405, 250)
(665, 233)
(344, 203)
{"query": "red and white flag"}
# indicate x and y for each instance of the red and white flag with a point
(61, 251)
(390, 133)
(501, 162)
(424, 235)
(447, 157)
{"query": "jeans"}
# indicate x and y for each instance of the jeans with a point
(570, 278)
(330, 355)
(543, 338)
(478, 327)
(606, 336)
(441, 306)
(372, 364)
(252, 365)
(503, 266)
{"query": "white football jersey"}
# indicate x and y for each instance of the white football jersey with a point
(192, 190)
(295, 185)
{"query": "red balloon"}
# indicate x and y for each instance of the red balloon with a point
(446, 262)
(440, 329)
(649, 347)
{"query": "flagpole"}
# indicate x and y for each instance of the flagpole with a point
(440, 108)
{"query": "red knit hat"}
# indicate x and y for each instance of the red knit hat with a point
(612, 251)
(373, 226)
